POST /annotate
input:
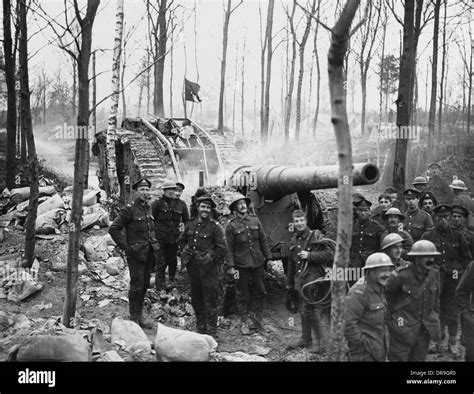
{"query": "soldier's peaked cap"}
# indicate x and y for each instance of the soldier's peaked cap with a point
(434, 165)
(363, 203)
(181, 185)
(442, 209)
(411, 192)
(205, 198)
(141, 182)
(168, 185)
(460, 209)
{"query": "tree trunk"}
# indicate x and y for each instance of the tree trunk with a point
(225, 38)
(83, 59)
(94, 94)
(74, 89)
(235, 89)
(434, 73)
(291, 77)
(242, 75)
(111, 184)
(336, 55)
(318, 70)
(443, 68)
(159, 107)
(27, 129)
(405, 96)
(268, 36)
(469, 96)
(304, 39)
(171, 69)
(382, 61)
(122, 81)
(11, 94)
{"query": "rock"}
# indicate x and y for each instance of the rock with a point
(238, 356)
(55, 348)
(24, 285)
(110, 355)
(82, 268)
(49, 275)
(59, 261)
(156, 311)
(261, 350)
(130, 336)
(96, 248)
(5, 322)
(114, 265)
(172, 344)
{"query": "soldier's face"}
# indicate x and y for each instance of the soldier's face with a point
(363, 213)
(204, 210)
(434, 171)
(412, 202)
(393, 220)
(395, 251)
(380, 275)
(458, 220)
(170, 193)
(143, 193)
(385, 204)
(241, 207)
(178, 192)
(394, 197)
(423, 262)
(442, 221)
(427, 205)
(423, 187)
(299, 223)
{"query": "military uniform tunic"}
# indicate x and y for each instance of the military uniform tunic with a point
(465, 300)
(417, 222)
(365, 241)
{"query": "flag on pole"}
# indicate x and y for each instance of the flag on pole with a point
(191, 90)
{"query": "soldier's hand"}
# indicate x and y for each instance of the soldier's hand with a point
(303, 254)
(231, 271)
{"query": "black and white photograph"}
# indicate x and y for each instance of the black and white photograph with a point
(236, 188)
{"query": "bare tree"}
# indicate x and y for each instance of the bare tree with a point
(443, 71)
(10, 65)
(27, 128)
(225, 38)
(235, 87)
(318, 71)
(242, 76)
(291, 75)
(269, 48)
(302, 46)
(363, 50)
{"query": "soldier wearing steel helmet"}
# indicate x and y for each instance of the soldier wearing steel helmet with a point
(247, 252)
(413, 297)
(454, 258)
(421, 184)
(462, 197)
(394, 225)
(203, 249)
(133, 231)
(392, 246)
(366, 312)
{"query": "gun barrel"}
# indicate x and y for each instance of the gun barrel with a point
(274, 182)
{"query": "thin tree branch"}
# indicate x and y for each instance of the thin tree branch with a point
(312, 16)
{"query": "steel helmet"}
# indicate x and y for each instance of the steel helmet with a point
(420, 180)
(377, 260)
(237, 197)
(390, 240)
(458, 185)
(394, 211)
(423, 248)
(167, 184)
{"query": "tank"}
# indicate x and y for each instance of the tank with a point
(276, 191)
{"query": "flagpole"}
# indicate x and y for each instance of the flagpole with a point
(184, 97)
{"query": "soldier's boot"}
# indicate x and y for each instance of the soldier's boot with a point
(212, 326)
(453, 348)
(257, 316)
(201, 325)
(134, 306)
(245, 324)
(305, 339)
(143, 321)
(317, 342)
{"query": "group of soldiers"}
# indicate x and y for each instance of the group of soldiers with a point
(417, 279)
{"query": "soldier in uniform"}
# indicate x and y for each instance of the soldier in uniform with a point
(459, 220)
(310, 254)
(139, 244)
(168, 212)
(393, 224)
(421, 184)
(438, 185)
(365, 234)
(462, 197)
(427, 203)
(181, 207)
(392, 246)
(454, 258)
(366, 312)
(413, 297)
(417, 221)
(247, 251)
(203, 248)
(465, 299)
(378, 212)
(393, 196)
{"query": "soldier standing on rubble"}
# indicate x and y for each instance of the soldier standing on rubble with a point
(168, 212)
(247, 252)
(203, 248)
(417, 221)
(413, 296)
(455, 256)
(366, 312)
(365, 234)
(140, 245)
(310, 256)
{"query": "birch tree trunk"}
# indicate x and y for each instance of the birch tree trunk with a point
(242, 76)
(318, 79)
(160, 52)
(27, 128)
(336, 55)
(268, 35)
(291, 76)
(111, 185)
